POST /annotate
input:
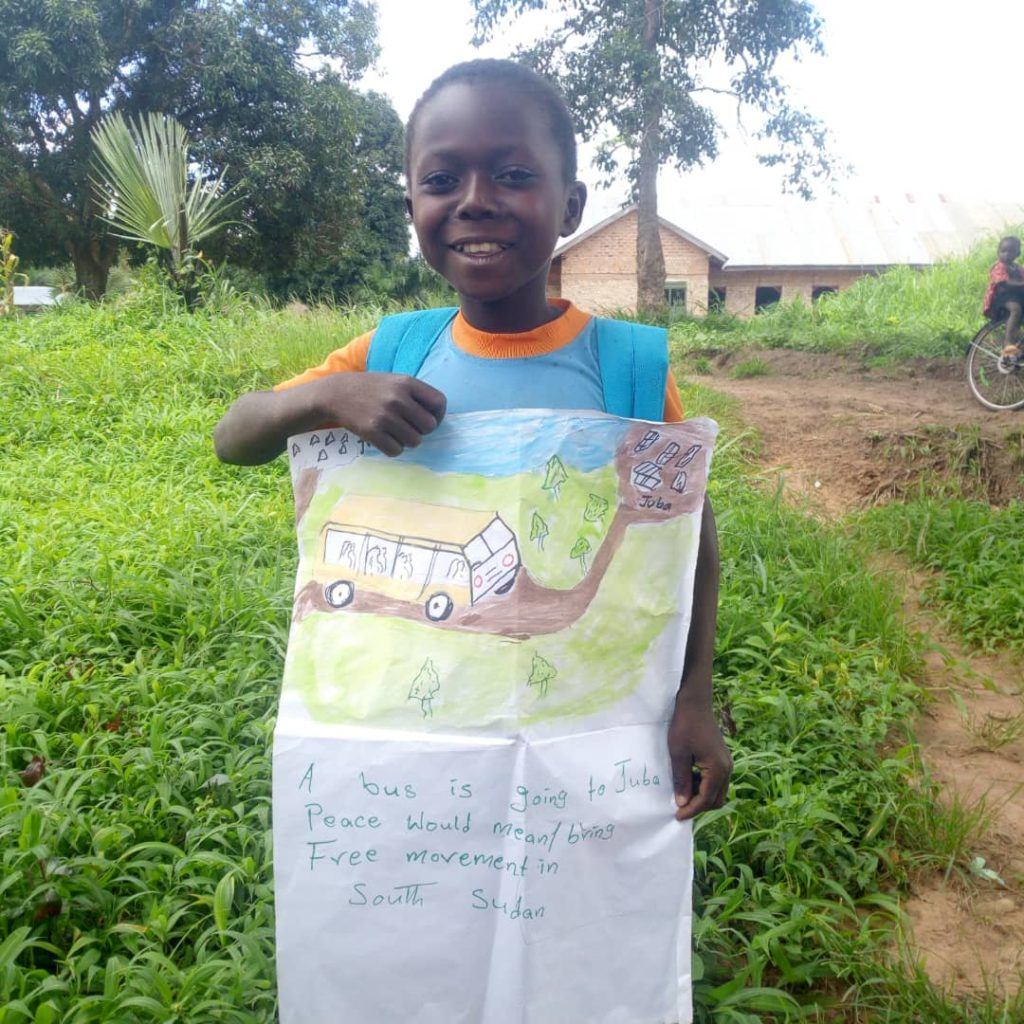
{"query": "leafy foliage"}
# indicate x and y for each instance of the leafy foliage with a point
(8, 272)
(638, 76)
(232, 74)
(143, 183)
(976, 551)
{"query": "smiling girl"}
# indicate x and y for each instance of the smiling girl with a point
(491, 170)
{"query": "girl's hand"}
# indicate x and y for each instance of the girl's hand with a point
(701, 762)
(388, 410)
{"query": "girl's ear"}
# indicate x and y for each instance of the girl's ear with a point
(575, 202)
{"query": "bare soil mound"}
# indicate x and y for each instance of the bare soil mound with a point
(844, 434)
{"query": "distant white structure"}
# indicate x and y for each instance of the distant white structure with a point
(29, 298)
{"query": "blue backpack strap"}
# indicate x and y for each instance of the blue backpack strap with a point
(634, 368)
(401, 341)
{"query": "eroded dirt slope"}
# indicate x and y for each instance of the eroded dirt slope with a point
(843, 436)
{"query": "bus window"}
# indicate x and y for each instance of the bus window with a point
(413, 563)
(379, 557)
(497, 535)
(450, 568)
(343, 548)
(477, 551)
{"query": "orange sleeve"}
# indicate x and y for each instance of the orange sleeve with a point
(349, 359)
(673, 403)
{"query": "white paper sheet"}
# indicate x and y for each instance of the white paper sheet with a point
(473, 805)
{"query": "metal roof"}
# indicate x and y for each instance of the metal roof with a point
(668, 225)
(876, 231)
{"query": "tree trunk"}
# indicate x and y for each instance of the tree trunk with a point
(93, 256)
(650, 260)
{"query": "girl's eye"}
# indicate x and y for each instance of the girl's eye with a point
(438, 180)
(516, 175)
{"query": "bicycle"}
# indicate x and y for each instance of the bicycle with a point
(995, 381)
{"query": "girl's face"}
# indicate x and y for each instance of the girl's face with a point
(487, 193)
(1008, 252)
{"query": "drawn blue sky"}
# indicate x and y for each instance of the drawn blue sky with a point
(491, 445)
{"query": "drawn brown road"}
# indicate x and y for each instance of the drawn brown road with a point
(530, 608)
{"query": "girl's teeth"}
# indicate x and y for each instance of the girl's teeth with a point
(481, 248)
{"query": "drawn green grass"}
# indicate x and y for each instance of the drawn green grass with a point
(485, 679)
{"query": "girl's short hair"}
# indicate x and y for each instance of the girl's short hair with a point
(519, 77)
(1012, 239)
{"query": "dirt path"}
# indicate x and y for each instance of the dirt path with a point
(842, 436)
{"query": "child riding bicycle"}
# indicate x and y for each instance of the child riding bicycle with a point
(1005, 295)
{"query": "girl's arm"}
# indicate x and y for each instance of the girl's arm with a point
(390, 411)
(701, 762)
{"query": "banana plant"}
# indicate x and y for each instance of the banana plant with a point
(8, 272)
(141, 181)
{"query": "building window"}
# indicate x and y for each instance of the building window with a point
(716, 300)
(765, 297)
(822, 289)
(675, 293)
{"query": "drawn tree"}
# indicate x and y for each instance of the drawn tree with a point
(554, 476)
(425, 687)
(541, 673)
(596, 508)
(580, 550)
(538, 529)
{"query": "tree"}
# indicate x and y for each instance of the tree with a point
(597, 508)
(142, 182)
(637, 74)
(538, 529)
(541, 673)
(425, 687)
(554, 476)
(237, 74)
(580, 550)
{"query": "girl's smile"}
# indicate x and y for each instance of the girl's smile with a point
(489, 201)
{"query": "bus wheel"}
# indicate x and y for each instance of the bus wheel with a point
(339, 593)
(507, 585)
(439, 607)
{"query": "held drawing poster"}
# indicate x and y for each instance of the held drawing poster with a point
(473, 810)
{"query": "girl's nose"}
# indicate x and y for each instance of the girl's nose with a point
(478, 198)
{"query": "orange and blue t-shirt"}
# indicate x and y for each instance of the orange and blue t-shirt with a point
(554, 366)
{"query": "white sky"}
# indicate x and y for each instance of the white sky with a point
(908, 88)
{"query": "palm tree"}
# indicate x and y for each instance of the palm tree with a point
(142, 183)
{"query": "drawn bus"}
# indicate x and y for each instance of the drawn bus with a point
(437, 556)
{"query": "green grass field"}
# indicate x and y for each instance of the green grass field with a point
(144, 600)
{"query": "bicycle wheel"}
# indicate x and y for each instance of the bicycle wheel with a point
(995, 382)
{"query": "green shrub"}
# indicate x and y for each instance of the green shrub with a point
(755, 367)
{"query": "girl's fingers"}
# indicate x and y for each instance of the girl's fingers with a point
(419, 418)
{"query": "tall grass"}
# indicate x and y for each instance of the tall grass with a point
(977, 554)
(901, 313)
(144, 600)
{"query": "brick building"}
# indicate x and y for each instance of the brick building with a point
(766, 254)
